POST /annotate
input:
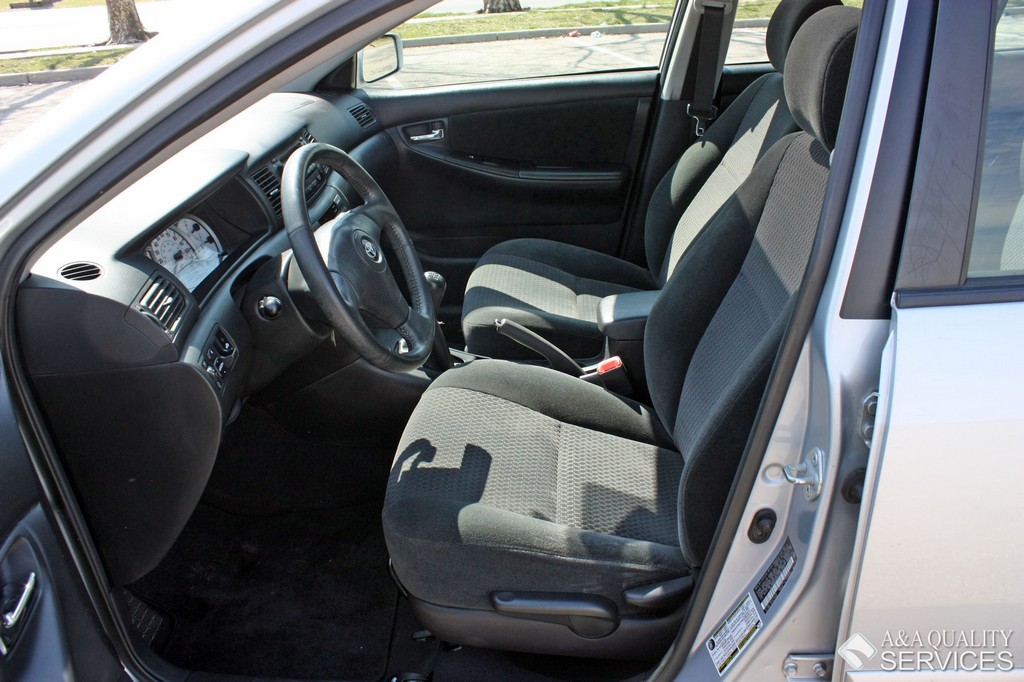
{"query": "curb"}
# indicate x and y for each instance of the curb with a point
(84, 49)
(55, 76)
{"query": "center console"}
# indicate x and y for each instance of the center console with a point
(622, 319)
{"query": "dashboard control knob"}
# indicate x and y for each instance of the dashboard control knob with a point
(270, 307)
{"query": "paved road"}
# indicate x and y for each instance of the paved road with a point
(496, 60)
(20, 106)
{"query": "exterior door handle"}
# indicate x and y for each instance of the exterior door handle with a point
(13, 617)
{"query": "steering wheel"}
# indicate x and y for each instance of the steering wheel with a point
(344, 265)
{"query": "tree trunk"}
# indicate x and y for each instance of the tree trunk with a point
(495, 6)
(125, 24)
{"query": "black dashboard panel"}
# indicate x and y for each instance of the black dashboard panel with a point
(138, 373)
(128, 310)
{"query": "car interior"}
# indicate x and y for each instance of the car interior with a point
(343, 397)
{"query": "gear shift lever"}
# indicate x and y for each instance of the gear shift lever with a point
(440, 355)
(438, 285)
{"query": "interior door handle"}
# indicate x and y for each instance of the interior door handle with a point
(432, 136)
(13, 617)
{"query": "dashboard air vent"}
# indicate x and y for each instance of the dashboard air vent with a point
(80, 272)
(268, 182)
(363, 115)
(164, 303)
(306, 137)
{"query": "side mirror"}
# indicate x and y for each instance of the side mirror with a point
(381, 58)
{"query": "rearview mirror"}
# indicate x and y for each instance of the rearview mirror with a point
(381, 58)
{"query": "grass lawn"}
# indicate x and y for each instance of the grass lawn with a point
(62, 61)
(567, 17)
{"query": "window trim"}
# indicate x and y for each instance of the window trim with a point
(975, 291)
(876, 259)
(958, 57)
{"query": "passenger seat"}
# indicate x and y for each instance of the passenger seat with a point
(555, 288)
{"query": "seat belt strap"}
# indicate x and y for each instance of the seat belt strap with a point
(703, 109)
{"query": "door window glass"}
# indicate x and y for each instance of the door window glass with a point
(455, 41)
(997, 247)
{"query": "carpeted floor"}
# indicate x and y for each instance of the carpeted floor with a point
(262, 468)
(282, 570)
(303, 595)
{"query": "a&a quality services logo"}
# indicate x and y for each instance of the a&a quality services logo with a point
(973, 650)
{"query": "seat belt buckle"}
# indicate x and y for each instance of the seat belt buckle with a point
(702, 117)
(610, 373)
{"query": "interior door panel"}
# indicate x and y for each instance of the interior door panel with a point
(47, 631)
(458, 202)
(472, 166)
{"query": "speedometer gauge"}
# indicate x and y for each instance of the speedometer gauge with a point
(189, 249)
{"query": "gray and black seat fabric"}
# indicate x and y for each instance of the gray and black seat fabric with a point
(554, 288)
(525, 507)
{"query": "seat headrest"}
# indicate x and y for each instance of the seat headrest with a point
(786, 20)
(818, 69)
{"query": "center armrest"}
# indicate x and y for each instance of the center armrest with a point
(623, 317)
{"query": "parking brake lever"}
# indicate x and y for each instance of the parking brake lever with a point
(555, 356)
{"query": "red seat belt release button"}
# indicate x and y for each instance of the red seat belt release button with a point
(611, 374)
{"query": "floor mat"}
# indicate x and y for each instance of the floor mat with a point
(303, 595)
(263, 468)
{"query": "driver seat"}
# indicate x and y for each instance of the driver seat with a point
(531, 511)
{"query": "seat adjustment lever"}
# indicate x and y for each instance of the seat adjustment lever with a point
(667, 595)
(587, 615)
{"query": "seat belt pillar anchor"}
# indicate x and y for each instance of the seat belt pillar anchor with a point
(725, 5)
(702, 117)
(712, 24)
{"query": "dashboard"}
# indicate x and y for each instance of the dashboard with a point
(161, 273)
(143, 326)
